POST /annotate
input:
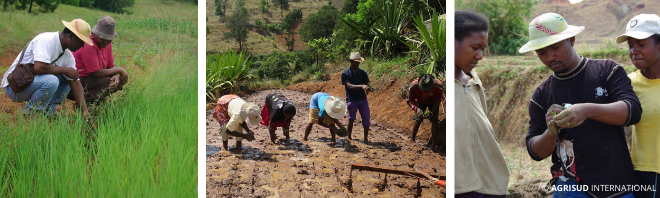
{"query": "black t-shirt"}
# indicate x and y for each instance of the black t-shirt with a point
(594, 153)
(358, 78)
(275, 103)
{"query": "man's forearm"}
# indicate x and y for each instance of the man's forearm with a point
(43, 68)
(615, 113)
(107, 72)
(78, 95)
(543, 145)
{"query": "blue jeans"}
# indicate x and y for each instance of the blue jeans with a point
(575, 194)
(43, 95)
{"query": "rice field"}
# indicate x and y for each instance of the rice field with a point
(142, 142)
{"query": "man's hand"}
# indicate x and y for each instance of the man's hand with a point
(570, 117)
(418, 112)
(124, 78)
(549, 116)
(71, 73)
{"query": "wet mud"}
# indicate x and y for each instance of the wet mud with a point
(317, 167)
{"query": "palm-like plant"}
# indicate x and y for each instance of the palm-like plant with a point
(225, 71)
(434, 39)
(385, 33)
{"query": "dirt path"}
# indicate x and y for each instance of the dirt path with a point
(316, 168)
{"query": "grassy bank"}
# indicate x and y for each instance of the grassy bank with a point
(141, 143)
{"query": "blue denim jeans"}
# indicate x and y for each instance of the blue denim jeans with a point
(43, 95)
(575, 194)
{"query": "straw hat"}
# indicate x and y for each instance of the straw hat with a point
(335, 107)
(81, 29)
(355, 56)
(426, 82)
(641, 27)
(548, 29)
(105, 28)
(250, 113)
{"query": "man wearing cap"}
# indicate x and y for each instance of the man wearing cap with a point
(577, 114)
(356, 82)
(325, 110)
(277, 112)
(233, 114)
(96, 63)
(643, 38)
(425, 95)
(55, 69)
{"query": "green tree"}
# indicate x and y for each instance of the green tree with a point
(508, 27)
(263, 6)
(44, 5)
(218, 9)
(320, 24)
(6, 4)
(350, 6)
(237, 25)
(282, 4)
(290, 21)
(239, 4)
(116, 6)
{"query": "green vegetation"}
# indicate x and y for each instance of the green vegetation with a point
(508, 22)
(320, 24)
(142, 142)
(238, 27)
(382, 31)
(226, 71)
(282, 4)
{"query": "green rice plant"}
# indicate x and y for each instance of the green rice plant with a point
(226, 71)
(169, 24)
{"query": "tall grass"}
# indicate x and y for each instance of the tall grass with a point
(169, 24)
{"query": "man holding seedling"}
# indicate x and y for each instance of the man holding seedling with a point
(356, 82)
(577, 114)
(325, 110)
(49, 58)
(424, 97)
(277, 112)
(233, 114)
(96, 63)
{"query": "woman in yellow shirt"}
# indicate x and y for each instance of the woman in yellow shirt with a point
(643, 38)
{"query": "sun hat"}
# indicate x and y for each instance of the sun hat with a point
(335, 107)
(355, 56)
(426, 82)
(105, 28)
(548, 29)
(81, 29)
(641, 27)
(250, 113)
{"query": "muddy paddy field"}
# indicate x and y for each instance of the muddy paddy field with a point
(316, 167)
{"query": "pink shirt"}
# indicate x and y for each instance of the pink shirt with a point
(90, 59)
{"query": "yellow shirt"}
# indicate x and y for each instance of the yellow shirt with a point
(234, 111)
(480, 166)
(646, 134)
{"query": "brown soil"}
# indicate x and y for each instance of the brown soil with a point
(298, 43)
(317, 168)
(388, 102)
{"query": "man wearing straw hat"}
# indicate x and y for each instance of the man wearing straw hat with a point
(425, 94)
(55, 70)
(356, 82)
(96, 63)
(577, 114)
(234, 115)
(325, 110)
